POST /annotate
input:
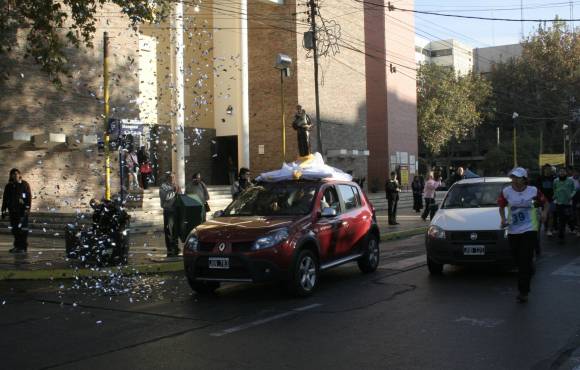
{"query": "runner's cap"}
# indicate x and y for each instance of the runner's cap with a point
(519, 172)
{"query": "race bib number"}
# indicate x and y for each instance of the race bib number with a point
(520, 216)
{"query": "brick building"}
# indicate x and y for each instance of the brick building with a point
(232, 96)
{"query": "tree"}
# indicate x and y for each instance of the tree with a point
(53, 25)
(448, 105)
(540, 86)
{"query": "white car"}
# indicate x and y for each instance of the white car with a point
(467, 227)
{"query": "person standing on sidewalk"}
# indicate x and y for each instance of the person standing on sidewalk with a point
(199, 188)
(430, 186)
(522, 223)
(392, 190)
(564, 191)
(417, 186)
(167, 194)
(16, 202)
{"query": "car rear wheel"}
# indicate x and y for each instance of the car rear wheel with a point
(203, 287)
(304, 275)
(369, 261)
(434, 267)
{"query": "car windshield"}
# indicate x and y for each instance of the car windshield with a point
(474, 195)
(274, 199)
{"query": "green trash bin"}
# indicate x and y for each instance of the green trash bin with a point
(189, 212)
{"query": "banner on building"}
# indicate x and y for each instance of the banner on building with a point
(404, 175)
(552, 159)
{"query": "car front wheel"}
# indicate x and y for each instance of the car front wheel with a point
(434, 267)
(304, 275)
(369, 261)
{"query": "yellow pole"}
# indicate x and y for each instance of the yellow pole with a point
(106, 115)
(515, 148)
(283, 115)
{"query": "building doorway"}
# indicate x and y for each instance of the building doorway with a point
(224, 160)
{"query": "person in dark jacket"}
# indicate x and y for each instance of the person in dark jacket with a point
(167, 194)
(459, 174)
(392, 190)
(545, 183)
(16, 202)
(417, 186)
(242, 183)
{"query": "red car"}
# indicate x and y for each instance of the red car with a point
(287, 231)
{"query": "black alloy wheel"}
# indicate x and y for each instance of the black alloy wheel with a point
(369, 261)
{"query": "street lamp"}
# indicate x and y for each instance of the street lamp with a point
(566, 137)
(514, 116)
(283, 63)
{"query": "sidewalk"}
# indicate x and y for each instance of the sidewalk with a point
(46, 255)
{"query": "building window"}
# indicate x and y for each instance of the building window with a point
(441, 53)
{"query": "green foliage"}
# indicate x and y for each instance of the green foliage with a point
(539, 86)
(52, 25)
(448, 105)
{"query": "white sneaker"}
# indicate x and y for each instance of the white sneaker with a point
(549, 233)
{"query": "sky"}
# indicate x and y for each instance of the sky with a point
(480, 33)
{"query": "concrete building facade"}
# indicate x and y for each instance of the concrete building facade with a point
(232, 103)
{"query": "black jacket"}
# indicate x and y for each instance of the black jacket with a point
(392, 189)
(17, 198)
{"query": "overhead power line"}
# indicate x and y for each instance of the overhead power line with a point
(391, 8)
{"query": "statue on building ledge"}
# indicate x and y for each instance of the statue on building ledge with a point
(303, 125)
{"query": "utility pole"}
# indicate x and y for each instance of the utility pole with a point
(178, 152)
(313, 13)
(514, 117)
(107, 135)
(522, 16)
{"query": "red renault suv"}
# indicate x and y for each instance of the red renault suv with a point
(287, 231)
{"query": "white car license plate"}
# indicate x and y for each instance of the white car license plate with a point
(222, 263)
(474, 250)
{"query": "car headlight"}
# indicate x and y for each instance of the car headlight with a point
(271, 239)
(192, 243)
(435, 232)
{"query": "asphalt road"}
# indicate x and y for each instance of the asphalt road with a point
(397, 318)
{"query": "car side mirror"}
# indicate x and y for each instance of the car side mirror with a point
(328, 212)
(219, 213)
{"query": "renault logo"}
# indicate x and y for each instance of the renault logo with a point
(473, 236)
(221, 246)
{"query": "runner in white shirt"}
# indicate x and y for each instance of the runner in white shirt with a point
(522, 201)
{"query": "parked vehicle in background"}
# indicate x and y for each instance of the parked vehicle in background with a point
(287, 231)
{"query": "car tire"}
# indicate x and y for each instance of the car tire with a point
(370, 259)
(203, 287)
(434, 267)
(304, 276)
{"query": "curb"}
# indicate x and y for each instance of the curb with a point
(403, 234)
(71, 273)
(145, 269)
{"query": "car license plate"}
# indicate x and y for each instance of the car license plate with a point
(222, 263)
(474, 250)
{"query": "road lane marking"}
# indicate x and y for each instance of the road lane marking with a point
(263, 321)
(405, 263)
(571, 269)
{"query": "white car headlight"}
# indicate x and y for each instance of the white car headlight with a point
(435, 232)
(271, 239)
(192, 243)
